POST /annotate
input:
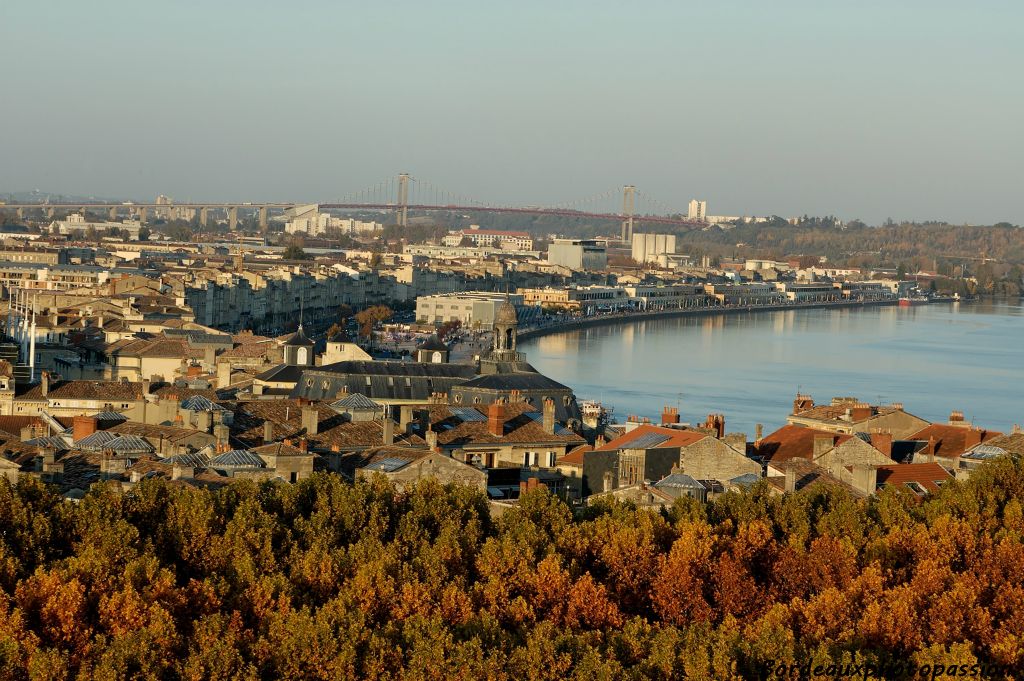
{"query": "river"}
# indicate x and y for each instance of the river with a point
(932, 358)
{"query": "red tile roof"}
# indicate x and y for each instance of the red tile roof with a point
(953, 441)
(927, 475)
(676, 438)
(793, 442)
(575, 457)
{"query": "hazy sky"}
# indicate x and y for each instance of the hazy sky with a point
(861, 109)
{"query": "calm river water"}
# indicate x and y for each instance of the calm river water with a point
(933, 358)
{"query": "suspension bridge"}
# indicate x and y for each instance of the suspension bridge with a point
(399, 195)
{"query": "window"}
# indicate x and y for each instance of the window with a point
(915, 487)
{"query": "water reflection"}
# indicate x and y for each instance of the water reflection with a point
(748, 366)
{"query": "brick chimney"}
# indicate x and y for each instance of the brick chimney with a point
(389, 431)
(310, 420)
(882, 441)
(431, 438)
(268, 432)
(549, 416)
(973, 437)
(802, 403)
(956, 418)
(758, 433)
(496, 419)
(303, 445)
(823, 443)
(861, 412)
(669, 416)
(790, 479)
(82, 427)
(44, 383)
(929, 449)
(600, 441)
(716, 423)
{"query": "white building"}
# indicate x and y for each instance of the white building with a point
(511, 241)
(649, 247)
(309, 220)
(475, 309)
(579, 254)
(697, 210)
(77, 221)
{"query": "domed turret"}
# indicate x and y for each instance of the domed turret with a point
(506, 314)
(506, 326)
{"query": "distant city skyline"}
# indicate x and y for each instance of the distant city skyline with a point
(863, 110)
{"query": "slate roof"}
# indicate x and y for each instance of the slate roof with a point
(237, 458)
(282, 373)
(432, 343)
(356, 401)
(299, 338)
(381, 380)
(189, 460)
(520, 380)
(680, 480)
(200, 403)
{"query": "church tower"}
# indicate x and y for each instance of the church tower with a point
(506, 327)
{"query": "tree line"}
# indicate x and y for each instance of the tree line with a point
(329, 580)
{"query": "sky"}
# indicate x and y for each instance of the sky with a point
(869, 110)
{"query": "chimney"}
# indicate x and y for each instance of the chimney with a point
(82, 427)
(135, 476)
(898, 406)
(310, 420)
(929, 449)
(956, 418)
(861, 412)
(223, 374)
(145, 387)
(268, 432)
(823, 443)
(179, 472)
(303, 445)
(389, 431)
(204, 421)
(802, 403)
(882, 441)
(496, 419)
(210, 358)
(44, 383)
(221, 432)
(865, 478)
(432, 440)
(716, 423)
(549, 416)
(600, 442)
(790, 480)
(669, 416)
(406, 415)
(973, 438)
(758, 432)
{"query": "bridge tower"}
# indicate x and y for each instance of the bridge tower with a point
(403, 200)
(628, 207)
